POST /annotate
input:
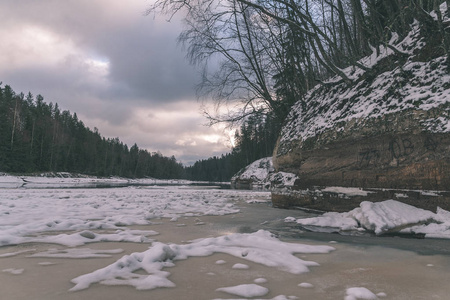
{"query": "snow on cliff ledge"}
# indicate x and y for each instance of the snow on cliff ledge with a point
(412, 85)
(260, 174)
(256, 171)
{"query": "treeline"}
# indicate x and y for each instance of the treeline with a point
(255, 139)
(39, 137)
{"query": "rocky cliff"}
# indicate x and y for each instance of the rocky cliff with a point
(387, 130)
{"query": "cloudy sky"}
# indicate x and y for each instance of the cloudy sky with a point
(119, 70)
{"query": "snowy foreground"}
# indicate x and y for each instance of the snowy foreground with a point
(69, 218)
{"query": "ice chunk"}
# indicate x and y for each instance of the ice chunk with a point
(359, 293)
(344, 221)
(245, 290)
(13, 271)
(240, 266)
(388, 215)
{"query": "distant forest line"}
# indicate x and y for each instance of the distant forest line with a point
(36, 137)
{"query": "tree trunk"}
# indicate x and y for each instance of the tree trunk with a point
(14, 123)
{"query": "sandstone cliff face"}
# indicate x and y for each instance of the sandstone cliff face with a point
(390, 129)
(375, 153)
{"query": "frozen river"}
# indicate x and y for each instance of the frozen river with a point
(194, 242)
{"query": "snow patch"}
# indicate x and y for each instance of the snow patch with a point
(75, 217)
(262, 247)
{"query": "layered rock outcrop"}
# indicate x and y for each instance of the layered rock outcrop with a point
(260, 175)
(387, 131)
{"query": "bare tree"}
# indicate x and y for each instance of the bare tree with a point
(264, 55)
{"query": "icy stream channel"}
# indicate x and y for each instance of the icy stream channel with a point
(183, 242)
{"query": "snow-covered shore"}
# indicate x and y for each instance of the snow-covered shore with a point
(63, 179)
(126, 236)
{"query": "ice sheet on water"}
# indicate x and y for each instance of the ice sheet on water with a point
(261, 247)
(31, 215)
(386, 216)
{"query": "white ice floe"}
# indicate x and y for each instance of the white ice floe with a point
(103, 214)
(245, 290)
(46, 263)
(306, 285)
(240, 266)
(386, 216)
(355, 293)
(13, 271)
(261, 247)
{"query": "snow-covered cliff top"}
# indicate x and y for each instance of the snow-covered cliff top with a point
(405, 85)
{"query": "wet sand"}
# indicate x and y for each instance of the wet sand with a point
(387, 268)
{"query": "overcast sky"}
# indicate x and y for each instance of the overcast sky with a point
(119, 70)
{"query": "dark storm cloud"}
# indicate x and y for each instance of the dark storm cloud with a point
(119, 70)
(145, 61)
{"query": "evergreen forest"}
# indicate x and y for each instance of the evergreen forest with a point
(38, 137)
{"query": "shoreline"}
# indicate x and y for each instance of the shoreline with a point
(394, 266)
